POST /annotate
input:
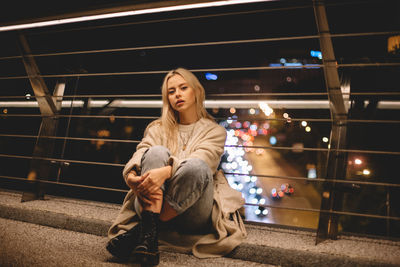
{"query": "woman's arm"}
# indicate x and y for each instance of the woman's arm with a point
(151, 138)
(153, 179)
(211, 147)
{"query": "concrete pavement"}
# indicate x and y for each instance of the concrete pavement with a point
(26, 244)
(265, 244)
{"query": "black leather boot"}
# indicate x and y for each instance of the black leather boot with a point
(146, 252)
(122, 245)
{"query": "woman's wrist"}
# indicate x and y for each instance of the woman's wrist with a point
(168, 170)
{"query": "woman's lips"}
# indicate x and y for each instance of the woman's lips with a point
(179, 102)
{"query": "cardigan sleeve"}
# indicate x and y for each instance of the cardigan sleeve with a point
(209, 148)
(151, 138)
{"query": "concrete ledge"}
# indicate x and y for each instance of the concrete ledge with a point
(56, 220)
(271, 245)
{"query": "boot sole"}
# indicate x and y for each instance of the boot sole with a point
(127, 257)
(146, 258)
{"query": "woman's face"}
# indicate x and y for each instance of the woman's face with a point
(180, 95)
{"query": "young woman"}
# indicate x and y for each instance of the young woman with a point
(175, 188)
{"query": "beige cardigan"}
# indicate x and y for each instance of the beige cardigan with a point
(207, 143)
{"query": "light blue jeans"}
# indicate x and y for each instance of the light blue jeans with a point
(189, 191)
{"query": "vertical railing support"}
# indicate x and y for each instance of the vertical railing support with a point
(49, 107)
(336, 165)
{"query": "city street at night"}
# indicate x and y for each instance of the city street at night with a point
(305, 195)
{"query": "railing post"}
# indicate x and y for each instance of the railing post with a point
(336, 165)
(49, 107)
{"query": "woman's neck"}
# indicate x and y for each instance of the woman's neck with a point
(185, 118)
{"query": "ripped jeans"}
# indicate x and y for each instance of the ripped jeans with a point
(189, 191)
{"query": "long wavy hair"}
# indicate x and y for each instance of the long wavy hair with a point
(169, 119)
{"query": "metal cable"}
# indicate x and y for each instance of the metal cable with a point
(99, 74)
(299, 178)
(327, 211)
(128, 49)
(320, 149)
(216, 95)
(67, 184)
(81, 116)
(64, 160)
(72, 138)
(245, 146)
(154, 117)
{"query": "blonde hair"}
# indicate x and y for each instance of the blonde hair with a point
(169, 117)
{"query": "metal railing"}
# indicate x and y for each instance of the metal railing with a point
(330, 183)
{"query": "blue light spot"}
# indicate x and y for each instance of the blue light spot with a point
(275, 65)
(317, 54)
(211, 76)
(272, 140)
(293, 65)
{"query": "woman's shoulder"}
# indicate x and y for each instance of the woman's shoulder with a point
(153, 126)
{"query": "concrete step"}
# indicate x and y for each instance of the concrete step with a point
(27, 244)
(265, 244)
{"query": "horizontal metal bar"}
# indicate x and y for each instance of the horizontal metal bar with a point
(66, 184)
(154, 117)
(87, 96)
(327, 211)
(212, 95)
(128, 49)
(64, 160)
(320, 149)
(81, 116)
(147, 117)
(209, 103)
(376, 64)
(99, 74)
(71, 138)
(317, 179)
(238, 146)
(159, 95)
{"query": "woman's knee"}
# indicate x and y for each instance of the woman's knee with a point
(196, 167)
(193, 173)
(156, 154)
(157, 151)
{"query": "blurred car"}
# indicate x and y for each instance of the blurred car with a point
(261, 212)
(275, 194)
(287, 189)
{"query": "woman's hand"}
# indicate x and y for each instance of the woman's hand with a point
(153, 179)
(133, 181)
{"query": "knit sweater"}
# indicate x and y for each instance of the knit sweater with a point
(205, 140)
